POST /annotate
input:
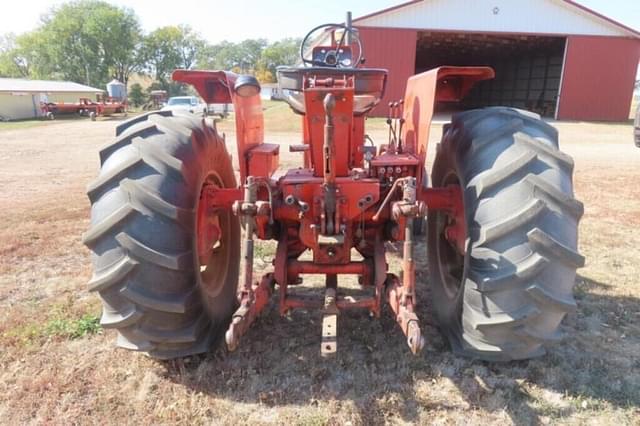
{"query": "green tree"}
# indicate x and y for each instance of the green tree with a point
(92, 41)
(162, 55)
(283, 52)
(249, 52)
(119, 38)
(222, 56)
(188, 47)
(241, 57)
(8, 65)
(170, 48)
(137, 95)
(87, 41)
(24, 56)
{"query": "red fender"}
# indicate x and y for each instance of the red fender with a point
(424, 90)
(216, 87)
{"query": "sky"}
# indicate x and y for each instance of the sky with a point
(237, 20)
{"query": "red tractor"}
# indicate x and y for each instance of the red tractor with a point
(168, 213)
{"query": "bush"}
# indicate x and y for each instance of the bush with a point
(137, 96)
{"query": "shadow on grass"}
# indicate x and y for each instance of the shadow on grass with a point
(375, 379)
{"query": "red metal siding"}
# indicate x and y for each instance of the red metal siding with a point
(395, 50)
(598, 78)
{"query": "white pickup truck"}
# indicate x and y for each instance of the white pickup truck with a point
(186, 103)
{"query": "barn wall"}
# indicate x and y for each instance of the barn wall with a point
(512, 16)
(16, 107)
(24, 105)
(598, 78)
(395, 50)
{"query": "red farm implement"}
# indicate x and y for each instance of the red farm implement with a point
(84, 107)
(170, 225)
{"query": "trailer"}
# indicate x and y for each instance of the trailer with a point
(85, 107)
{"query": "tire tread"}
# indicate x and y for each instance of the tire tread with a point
(165, 317)
(509, 306)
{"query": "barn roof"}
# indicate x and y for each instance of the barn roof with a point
(24, 85)
(519, 16)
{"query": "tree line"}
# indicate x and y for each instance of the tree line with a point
(92, 42)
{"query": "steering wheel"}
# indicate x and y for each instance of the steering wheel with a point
(334, 57)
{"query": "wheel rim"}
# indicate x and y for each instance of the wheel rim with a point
(450, 260)
(212, 265)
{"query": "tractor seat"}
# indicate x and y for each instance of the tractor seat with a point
(369, 85)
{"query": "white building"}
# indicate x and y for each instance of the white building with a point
(21, 98)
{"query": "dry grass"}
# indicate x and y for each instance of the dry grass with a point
(23, 124)
(52, 373)
(279, 118)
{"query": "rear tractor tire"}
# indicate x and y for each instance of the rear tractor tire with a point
(160, 296)
(505, 297)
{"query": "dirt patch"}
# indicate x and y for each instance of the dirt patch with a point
(277, 376)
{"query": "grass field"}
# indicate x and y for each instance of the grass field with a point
(57, 366)
(279, 118)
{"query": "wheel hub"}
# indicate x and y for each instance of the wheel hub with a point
(452, 236)
(212, 238)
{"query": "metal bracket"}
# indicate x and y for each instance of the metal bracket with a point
(252, 304)
(404, 309)
(331, 240)
(329, 342)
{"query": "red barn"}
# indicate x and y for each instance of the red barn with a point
(555, 57)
